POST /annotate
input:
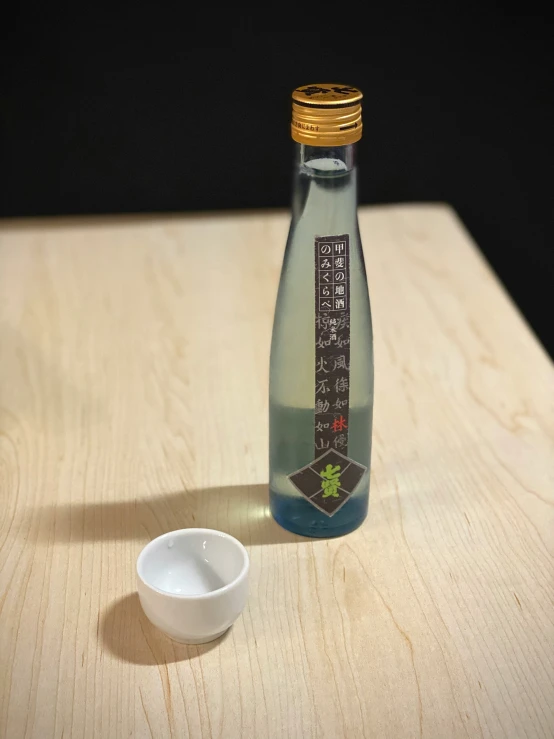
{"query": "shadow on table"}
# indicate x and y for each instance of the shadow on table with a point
(242, 511)
(128, 635)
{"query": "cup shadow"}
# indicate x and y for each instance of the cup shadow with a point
(242, 511)
(128, 635)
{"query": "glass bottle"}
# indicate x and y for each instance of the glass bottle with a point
(321, 370)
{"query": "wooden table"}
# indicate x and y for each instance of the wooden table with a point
(133, 400)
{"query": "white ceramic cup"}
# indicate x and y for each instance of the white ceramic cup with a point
(193, 583)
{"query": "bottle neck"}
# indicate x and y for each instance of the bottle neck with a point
(325, 186)
(342, 158)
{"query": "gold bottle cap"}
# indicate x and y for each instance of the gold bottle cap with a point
(326, 115)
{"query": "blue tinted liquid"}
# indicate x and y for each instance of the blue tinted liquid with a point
(291, 434)
(324, 204)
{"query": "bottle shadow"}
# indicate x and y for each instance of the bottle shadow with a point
(128, 635)
(242, 511)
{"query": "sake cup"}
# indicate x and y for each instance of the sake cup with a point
(193, 583)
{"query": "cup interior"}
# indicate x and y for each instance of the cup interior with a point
(192, 562)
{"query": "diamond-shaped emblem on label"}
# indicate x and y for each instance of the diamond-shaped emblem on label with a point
(328, 481)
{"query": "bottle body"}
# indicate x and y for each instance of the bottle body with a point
(307, 391)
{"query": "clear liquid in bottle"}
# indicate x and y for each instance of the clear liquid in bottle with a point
(324, 207)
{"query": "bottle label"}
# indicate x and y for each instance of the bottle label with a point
(332, 343)
(331, 478)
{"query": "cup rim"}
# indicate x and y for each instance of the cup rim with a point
(185, 533)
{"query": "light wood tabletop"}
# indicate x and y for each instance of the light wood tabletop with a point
(133, 401)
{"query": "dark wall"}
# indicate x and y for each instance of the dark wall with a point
(145, 111)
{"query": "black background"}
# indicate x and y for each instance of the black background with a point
(145, 110)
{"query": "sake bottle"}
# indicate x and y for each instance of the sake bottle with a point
(321, 369)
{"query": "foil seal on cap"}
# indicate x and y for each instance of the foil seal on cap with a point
(326, 115)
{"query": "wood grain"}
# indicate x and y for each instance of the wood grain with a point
(133, 400)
